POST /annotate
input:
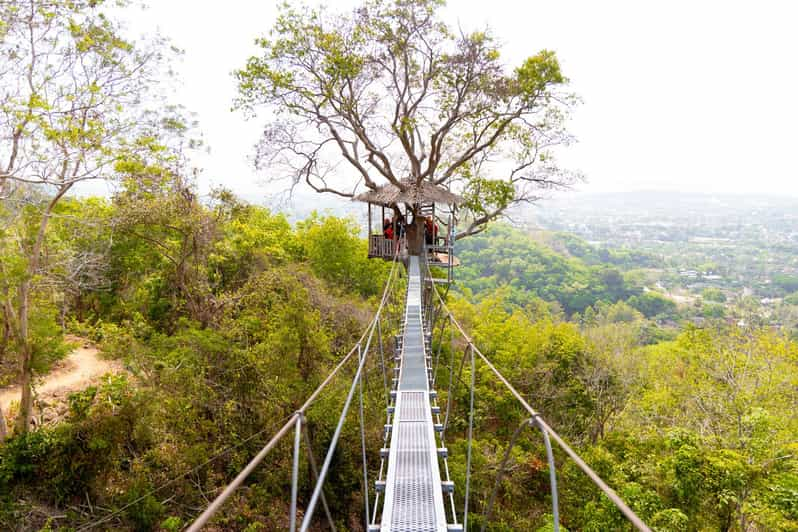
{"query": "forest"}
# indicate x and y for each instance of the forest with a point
(221, 316)
(225, 317)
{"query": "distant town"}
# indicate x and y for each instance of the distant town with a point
(724, 255)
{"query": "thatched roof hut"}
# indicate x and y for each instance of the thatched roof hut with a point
(425, 192)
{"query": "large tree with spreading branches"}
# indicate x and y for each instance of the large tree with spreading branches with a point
(72, 102)
(398, 95)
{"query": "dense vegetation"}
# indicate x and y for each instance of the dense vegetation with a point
(575, 278)
(226, 318)
(695, 433)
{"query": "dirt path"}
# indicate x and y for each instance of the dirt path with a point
(78, 370)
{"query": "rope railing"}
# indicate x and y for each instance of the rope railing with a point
(296, 421)
(471, 354)
(535, 418)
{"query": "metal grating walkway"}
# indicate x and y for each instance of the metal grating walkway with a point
(413, 493)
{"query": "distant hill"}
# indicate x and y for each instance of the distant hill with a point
(666, 204)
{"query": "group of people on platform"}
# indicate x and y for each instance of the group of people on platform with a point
(395, 229)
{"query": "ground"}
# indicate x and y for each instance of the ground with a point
(81, 368)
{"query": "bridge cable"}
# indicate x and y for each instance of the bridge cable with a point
(592, 475)
(168, 483)
(363, 451)
(216, 504)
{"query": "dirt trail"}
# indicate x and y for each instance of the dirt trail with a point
(78, 370)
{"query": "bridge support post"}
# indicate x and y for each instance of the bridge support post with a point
(470, 436)
(295, 471)
(502, 467)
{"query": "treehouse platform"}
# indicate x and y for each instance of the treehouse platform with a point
(412, 222)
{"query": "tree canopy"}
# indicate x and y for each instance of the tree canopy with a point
(71, 110)
(396, 93)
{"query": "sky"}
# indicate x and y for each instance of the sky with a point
(697, 96)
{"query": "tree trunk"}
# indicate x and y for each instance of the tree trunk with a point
(3, 427)
(6, 333)
(25, 347)
(26, 355)
(415, 236)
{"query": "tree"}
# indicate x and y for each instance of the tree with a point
(169, 225)
(71, 88)
(398, 94)
(337, 254)
(713, 294)
(652, 304)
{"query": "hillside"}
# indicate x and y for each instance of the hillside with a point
(689, 425)
(557, 268)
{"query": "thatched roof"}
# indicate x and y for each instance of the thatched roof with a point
(425, 192)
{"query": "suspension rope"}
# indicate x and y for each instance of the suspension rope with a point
(592, 475)
(382, 362)
(217, 503)
(315, 471)
(470, 439)
(334, 443)
(168, 483)
(363, 451)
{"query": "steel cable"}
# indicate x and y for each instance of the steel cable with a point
(592, 475)
(239, 479)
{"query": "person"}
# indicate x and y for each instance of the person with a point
(400, 225)
(430, 231)
(387, 229)
(398, 229)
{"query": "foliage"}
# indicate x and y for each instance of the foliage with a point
(195, 388)
(71, 112)
(651, 304)
(713, 294)
(505, 256)
(394, 92)
(336, 254)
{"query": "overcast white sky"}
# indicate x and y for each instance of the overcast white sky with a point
(678, 95)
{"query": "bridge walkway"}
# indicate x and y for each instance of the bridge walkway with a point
(413, 488)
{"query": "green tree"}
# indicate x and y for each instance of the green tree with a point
(338, 255)
(713, 294)
(69, 115)
(396, 93)
(652, 304)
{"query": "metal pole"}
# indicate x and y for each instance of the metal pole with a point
(456, 385)
(363, 449)
(451, 379)
(555, 505)
(500, 474)
(609, 492)
(470, 439)
(382, 361)
(315, 472)
(295, 472)
(314, 499)
(552, 474)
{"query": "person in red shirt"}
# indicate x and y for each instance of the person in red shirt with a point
(431, 231)
(387, 229)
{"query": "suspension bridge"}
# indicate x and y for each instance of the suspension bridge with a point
(413, 490)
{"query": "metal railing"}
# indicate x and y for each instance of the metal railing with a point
(382, 247)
